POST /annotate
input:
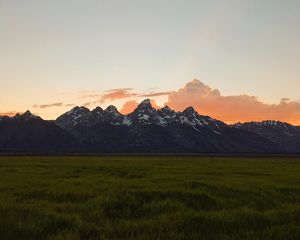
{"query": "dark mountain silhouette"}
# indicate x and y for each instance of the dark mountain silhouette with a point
(28, 133)
(145, 130)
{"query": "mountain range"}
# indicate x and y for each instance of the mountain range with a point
(145, 130)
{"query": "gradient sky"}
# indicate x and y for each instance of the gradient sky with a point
(60, 51)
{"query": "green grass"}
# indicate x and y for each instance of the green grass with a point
(149, 198)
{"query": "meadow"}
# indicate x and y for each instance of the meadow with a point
(135, 197)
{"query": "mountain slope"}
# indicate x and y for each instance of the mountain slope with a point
(27, 133)
(285, 135)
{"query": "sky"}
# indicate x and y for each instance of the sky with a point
(217, 56)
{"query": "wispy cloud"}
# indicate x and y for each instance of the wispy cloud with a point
(93, 95)
(155, 94)
(120, 93)
(117, 94)
(59, 104)
(107, 95)
(119, 89)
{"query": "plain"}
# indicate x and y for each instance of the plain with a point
(158, 197)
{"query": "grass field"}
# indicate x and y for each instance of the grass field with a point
(149, 198)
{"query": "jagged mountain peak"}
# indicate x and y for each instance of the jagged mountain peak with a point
(114, 117)
(145, 104)
(112, 109)
(27, 116)
(80, 108)
(97, 115)
(190, 111)
(27, 113)
(166, 112)
(166, 109)
(73, 117)
(145, 107)
(144, 113)
(78, 111)
(98, 110)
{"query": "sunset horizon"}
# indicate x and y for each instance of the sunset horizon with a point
(196, 94)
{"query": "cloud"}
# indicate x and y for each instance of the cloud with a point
(155, 94)
(236, 108)
(117, 94)
(9, 114)
(119, 89)
(53, 105)
(122, 93)
(88, 95)
(129, 106)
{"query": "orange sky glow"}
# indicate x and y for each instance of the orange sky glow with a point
(207, 101)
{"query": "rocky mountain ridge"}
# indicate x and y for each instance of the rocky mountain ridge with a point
(145, 130)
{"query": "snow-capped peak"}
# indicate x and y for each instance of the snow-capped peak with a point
(144, 113)
(166, 115)
(73, 117)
